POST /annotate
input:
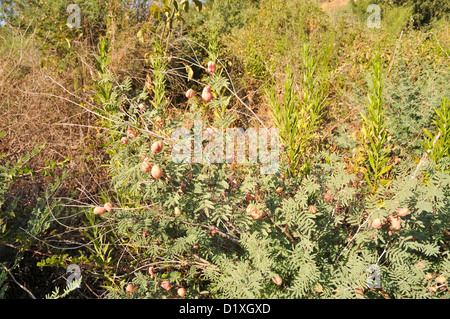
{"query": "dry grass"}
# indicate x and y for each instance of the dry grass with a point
(34, 111)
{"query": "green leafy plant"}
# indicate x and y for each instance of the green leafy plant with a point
(438, 145)
(374, 131)
(55, 294)
(299, 116)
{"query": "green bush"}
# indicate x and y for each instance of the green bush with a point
(226, 230)
(418, 13)
(316, 233)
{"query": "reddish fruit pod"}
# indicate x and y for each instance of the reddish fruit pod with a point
(108, 207)
(181, 292)
(213, 230)
(277, 280)
(156, 172)
(146, 167)
(234, 181)
(258, 215)
(130, 288)
(196, 246)
(131, 133)
(151, 271)
(249, 197)
(250, 208)
(279, 190)
(253, 211)
(395, 222)
(402, 212)
(99, 210)
(212, 67)
(206, 94)
(312, 209)
(157, 147)
(166, 285)
(328, 197)
(177, 211)
(376, 223)
(124, 140)
(190, 93)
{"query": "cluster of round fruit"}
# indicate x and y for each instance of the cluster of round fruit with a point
(108, 207)
(181, 291)
(154, 170)
(395, 221)
(206, 93)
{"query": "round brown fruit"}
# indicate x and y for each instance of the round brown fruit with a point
(402, 212)
(99, 210)
(166, 285)
(181, 292)
(376, 223)
(108, 207)
(157, 147)
(278, 280)
(206, 94)
(156, 172)
(190, 93)
(130, 289)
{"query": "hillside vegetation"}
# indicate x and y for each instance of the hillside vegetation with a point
(115, 126)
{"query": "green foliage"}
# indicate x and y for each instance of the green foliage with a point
(316, 236)
(287, 119)
(274, 37)
(425, 11)
(159, 63)
(9, 173)
(215, 243)
(3, 284)
(418, 13)
(172, 10)
(438, 146)
(222, 15)
(299, 116)
(105, 79)
(421, 91)
(374, 131)
(19, 226)
(67, 290)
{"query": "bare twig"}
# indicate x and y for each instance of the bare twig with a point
(21, 286)
(395, 52)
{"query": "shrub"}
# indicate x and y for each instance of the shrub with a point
(218, 248)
